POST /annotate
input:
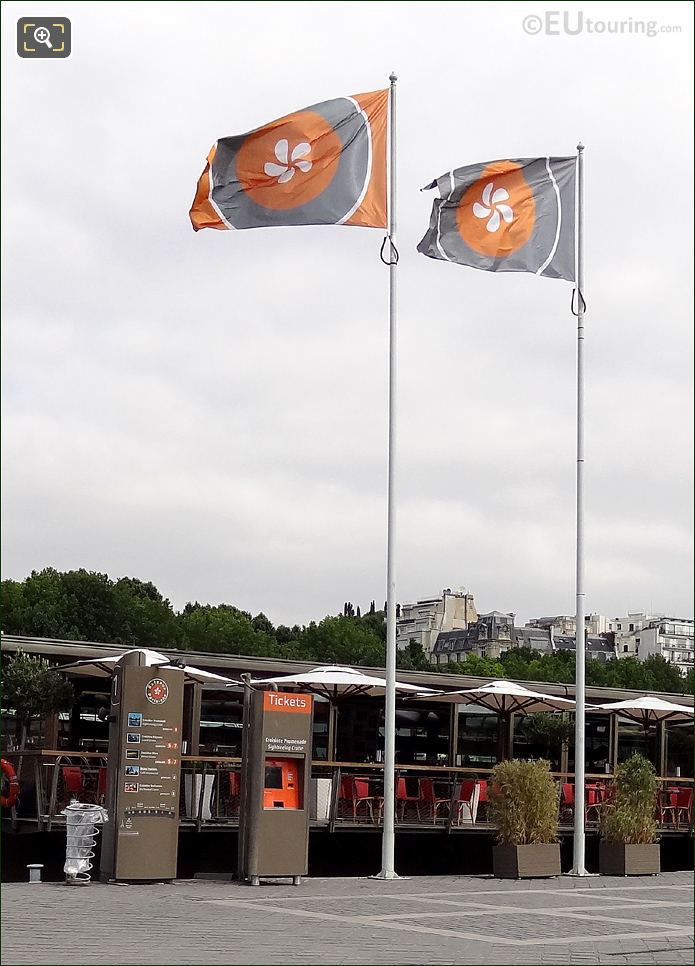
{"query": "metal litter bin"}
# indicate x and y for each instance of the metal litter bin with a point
(81, 824)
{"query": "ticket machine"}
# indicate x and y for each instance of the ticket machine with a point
(276, 769)
(283, 783)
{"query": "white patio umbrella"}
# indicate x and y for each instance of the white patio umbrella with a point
(103, 667)
(334, 681)
(506, 698)
(647, 710)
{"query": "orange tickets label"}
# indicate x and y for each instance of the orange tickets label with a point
(290, 703)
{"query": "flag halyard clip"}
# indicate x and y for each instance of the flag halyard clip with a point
(575, 292)
(393, 255)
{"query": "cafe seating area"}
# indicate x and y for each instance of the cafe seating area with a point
(349, 796)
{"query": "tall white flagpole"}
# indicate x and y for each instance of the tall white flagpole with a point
(389, 835)
(578, 866)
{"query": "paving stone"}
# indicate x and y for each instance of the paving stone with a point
(433, 920)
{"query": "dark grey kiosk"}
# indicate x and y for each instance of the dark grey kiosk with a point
(276, 770)
(140, 840)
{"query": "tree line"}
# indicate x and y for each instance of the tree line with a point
(83, 605)
(525, 664)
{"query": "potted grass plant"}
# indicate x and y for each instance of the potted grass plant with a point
(523, 805)
(629, 832)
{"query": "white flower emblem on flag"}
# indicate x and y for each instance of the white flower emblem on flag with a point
(322, 165)
(493, 206)
(288, 164)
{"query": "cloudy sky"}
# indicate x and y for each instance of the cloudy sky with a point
(209, 411)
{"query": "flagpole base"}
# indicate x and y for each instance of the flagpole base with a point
(387, 874)
(580, 873)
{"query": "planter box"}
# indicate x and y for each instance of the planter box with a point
(525, 861)
(615, 858)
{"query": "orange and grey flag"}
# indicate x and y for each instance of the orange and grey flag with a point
(325, 165)
(506, 216)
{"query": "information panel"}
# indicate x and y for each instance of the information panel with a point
(147, 776)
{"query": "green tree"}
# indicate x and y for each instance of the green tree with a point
(413, 658)
(523, 803)
(38, 608)
(143, 617)
(631, 818)
(224, 629)
(549, 731)
(479, 667)
(525, 664)
(375, 621)
(12, 592)
(84, 605)
(344, 640)
(263, 624)
(32, 688)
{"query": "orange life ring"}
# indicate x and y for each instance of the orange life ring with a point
(7, 801)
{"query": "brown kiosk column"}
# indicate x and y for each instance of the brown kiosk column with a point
(274, 833)
(140, 840)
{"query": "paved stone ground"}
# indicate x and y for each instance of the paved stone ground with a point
(420, 920)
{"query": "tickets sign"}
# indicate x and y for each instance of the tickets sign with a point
(288, 703)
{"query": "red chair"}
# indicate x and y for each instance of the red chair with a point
(73, 781)
(101, 785)
(344, 796)
(678, 805)
(684, 806)
(403, 799)
(594, 796)
(360, 795)
(566, 802)
(429, 799)
(232, 797)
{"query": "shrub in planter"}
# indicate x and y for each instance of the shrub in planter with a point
(629, 839)
(523, 805)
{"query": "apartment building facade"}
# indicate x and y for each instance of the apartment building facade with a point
(424, 620)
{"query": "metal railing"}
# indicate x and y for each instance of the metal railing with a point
(343, 794)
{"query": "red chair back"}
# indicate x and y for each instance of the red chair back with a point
(401, 789)
(234, 784)
(466, 789)
(482, 784)
(685, 798)
(72, 777)
(427, 789)
(360, 788)
(567, 794)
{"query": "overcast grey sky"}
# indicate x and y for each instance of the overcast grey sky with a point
(208, 411)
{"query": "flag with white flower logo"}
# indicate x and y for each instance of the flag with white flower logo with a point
(325, 165)
(506, 216)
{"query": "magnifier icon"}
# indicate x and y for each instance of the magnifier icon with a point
(42, 35)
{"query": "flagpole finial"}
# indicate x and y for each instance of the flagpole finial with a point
(580, 147)
(393, 77)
